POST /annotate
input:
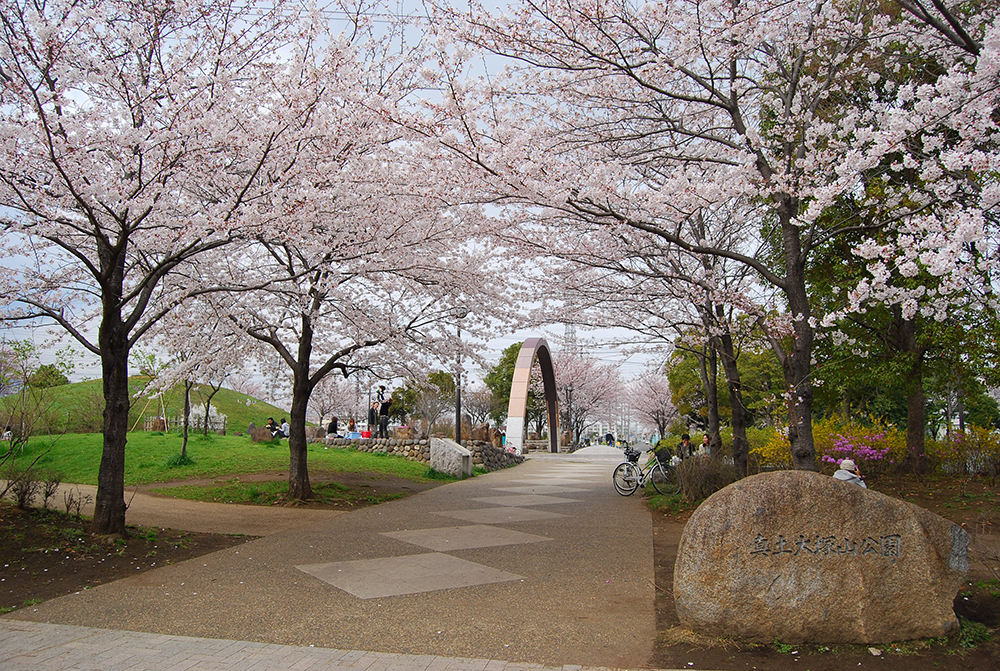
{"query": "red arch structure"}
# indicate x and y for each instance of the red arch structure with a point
(517, 409)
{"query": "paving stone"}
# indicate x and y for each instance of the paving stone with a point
(524, 500)
(444, 539)
(411, 574)
(541, 489)
(501, 515)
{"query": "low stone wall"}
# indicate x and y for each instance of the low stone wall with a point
(493, 458)
(483, 453)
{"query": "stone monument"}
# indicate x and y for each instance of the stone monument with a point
(449, 457)
(802, 557)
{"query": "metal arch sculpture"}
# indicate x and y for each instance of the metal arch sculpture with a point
(517, 409)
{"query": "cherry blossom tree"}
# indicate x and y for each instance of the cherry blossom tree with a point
(200, 351)
(630, 117)
(650, 396)
(666, 298)
(333, 396)
(373, 306)
(134, 137)
(586, 387)
(478, 404)
(363, 259)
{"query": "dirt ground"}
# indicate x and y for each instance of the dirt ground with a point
(44, 554)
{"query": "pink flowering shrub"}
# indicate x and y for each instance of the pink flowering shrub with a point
(868, 449)
(876, 447)
(873, 445)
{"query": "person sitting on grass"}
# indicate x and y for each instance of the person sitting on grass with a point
(272, 426)
(285, 429)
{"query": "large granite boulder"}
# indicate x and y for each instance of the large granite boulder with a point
(260, 435)
(449, 457)
(803, 557)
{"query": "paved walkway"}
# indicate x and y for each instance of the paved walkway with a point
(536, 567)
(149, 510)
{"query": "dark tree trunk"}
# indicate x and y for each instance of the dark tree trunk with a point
(710, 380)
(741, 446)
(208, 405)
(299, 487)
(187, 417)
(109, 504)
(916, 402)
(298, 469)
(796, 363)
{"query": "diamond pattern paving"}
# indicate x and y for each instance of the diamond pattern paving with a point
(541, 489)
(444, 539)
(412, 574)
(501, 515)
(557, 481)
(524, 500)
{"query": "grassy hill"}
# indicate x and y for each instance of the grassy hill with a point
(77, 407)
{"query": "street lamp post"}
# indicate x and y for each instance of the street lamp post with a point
(569, 413)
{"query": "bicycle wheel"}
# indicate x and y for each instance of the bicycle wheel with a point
(665, 479)
(626, 478)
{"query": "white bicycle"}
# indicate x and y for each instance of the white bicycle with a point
(629, 476)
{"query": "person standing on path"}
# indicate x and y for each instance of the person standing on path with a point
(383, 417)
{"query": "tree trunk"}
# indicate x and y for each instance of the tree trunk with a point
(710, 381)
(187, 417)
(208, 405)
(298, 469)
(299, 487)
(741, 445)
(109, 504)
(916, 402)
(796, 364)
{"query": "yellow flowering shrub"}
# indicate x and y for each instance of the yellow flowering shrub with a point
(769, 449)
(875, 445)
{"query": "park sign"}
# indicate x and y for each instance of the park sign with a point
(803, 557)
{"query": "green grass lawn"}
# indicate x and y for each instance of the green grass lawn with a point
(271, 493)
(78, 407)
(77, 458)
